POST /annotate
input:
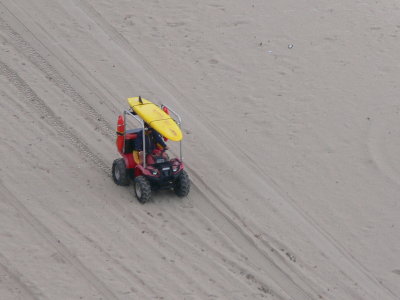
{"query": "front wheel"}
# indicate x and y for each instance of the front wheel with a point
(119, 172)
(142, 189)
(182, 185)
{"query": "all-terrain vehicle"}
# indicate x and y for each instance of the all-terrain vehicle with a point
(147, 171)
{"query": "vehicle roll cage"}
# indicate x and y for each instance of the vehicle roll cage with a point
(141, 122)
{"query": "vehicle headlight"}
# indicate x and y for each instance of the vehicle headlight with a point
(154, 172)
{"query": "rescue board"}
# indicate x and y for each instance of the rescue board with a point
(157, 119)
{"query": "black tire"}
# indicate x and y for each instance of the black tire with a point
(182, 185)
(142, 189)
(119, 172)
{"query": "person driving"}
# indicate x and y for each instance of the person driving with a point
(154, 143)
(153, 139)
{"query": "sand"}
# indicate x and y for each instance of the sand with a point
(291, 120)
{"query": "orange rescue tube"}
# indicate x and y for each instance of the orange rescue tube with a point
(120, 133)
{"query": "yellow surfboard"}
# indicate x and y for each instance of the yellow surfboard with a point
(153, 115)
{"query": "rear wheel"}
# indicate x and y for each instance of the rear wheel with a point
(119, 172)
(142, 189)
(182, 185)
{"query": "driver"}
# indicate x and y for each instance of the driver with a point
(154, 143)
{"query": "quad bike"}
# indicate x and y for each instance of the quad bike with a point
(149, 172)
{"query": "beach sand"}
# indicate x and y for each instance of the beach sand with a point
(291, 139)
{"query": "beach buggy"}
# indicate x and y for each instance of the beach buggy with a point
(145, 161)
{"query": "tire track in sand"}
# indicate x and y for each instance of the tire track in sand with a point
(56, 244)
(149, 290)
(28, 289)
(50, 72)
(49, 116)
(236, 266)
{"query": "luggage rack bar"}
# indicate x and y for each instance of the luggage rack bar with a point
(179, 124)
(141, 122)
